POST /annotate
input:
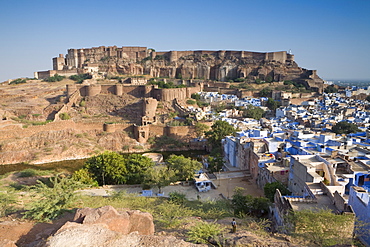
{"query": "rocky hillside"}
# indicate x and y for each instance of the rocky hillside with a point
(108, 227)
(28, 133)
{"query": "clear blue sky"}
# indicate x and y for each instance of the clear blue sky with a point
(332, 36)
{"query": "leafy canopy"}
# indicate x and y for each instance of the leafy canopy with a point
(272, 104)
(200, 129)
(137, 165)
(113, 168)
(254, 112)
(184, 168)
(107, 168)
(218, 131)
(345, 128)
(270, 188)
(159, 176)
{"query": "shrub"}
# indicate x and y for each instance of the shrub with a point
(190, 102)
(6, 203)
(195, 96)
(54, 78)
(80, 78)
(170, 215)
(52, 201)
(85, 177)
(215, 209)
(205, 233)
(18, 81)
(239, 80)
(331, 89)
(138, 147)
(247, 204)
(28, 173)
(64, 116)
(266, 92)
(322, 227)
(177, 197)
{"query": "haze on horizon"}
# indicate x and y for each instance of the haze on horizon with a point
(331, 36)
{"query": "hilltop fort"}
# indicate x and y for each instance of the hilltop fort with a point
(133, 97)
(207, 65)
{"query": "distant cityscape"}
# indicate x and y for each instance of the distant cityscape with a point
(344, 83)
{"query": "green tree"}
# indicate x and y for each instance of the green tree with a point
(52, 201)
(184, 168)
(344, 127)
(107, 168)
(64, 116)
(215, 163)
(331, 89)
(159, 176)
(195, 96)
(254, 112)
(270, 188)
(272, 104)
(137, 165)
(218, 131)
(200, 129)
(265, 92)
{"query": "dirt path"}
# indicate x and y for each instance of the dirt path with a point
(225, 187)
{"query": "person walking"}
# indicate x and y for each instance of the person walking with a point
(233, 224)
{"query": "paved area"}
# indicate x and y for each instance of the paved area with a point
(225, 185)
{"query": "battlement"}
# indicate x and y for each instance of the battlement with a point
(78, 58)
(221, 65)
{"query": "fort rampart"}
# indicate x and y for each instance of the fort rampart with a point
(139, 91)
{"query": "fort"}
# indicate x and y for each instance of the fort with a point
(119, 108)
(201, 64)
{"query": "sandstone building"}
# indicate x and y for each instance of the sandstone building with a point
(207, 65)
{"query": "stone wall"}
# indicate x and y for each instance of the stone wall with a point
(215, 65)
(178, 131)
(19, 132)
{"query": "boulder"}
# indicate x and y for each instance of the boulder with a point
(122, 222)
(73, 234)
(7, 243)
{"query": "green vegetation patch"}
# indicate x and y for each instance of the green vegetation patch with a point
(80, 78)
(54, 78)
(18, 81)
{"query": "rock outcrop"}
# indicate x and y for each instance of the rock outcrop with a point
(106, 226)
(123, 222)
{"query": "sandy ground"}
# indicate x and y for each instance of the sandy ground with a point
(225, 187)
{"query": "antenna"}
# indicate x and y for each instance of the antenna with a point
(290, 52)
